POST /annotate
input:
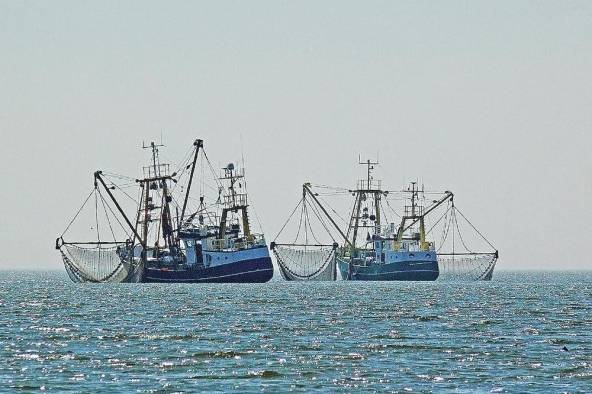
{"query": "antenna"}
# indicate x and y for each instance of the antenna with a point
(370, 166)
(367, 162)
(151, 145)
(242, 150)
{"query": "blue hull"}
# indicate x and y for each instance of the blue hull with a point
(258, 270)
(416, 270)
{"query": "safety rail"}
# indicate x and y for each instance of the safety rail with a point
(157, 170)
(236, 200)
(374, 184)
(240, 244)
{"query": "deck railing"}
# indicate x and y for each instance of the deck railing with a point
(374, 184)
(239, 244)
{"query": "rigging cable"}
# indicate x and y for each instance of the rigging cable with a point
(107, 216)
(120, 176)
(119, 187)
(314, 210)
(458, 231)
(334, 211)
(77, 213)
(97, 219)
(257, 217)
(391, 208)
(289, 217)
(381, 207)
(118, 221)
(474, 228)
(305, 225)
(300, 222)
(445, 230)
(319, 217)
(218, 182)
(438, 221)
(184, 166)
(341, 189)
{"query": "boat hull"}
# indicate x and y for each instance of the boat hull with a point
(256, 270)
(413, 270)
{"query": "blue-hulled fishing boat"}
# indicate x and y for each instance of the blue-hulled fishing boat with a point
(388, 253)
(171, 238)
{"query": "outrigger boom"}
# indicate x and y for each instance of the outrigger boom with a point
(108, 190)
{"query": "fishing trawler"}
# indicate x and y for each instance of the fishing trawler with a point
(386, 252)
(172, 236)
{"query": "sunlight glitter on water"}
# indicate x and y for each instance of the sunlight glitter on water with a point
(520, 332)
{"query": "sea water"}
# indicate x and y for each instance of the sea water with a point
(521, 332)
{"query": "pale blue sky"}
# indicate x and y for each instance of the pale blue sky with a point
(489, 99)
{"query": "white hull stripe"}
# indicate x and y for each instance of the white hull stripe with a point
(209, 277)
(390, 272)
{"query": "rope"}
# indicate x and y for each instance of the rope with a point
(323, 223)
(474, 228)
(311, 230)
(333, 210)
(342, 189)
(445, 231)
(299, 223)
(306, 224)
(106, 215)
(78, 213)
(97, 218)
(124, 228)
(119, 187)
(257, 217)
(438, 221)
(183, 166)
(458, 230)
(119, 176)
(218, 183)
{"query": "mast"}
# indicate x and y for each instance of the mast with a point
(167, 220)
(156, 176)
(418, 215)
(377, 213)
(198, 144)
(356, 217)
(365, 188)
(447, 195)
(234, 201)
(145, 222)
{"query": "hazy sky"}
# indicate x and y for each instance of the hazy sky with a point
(490, 99)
